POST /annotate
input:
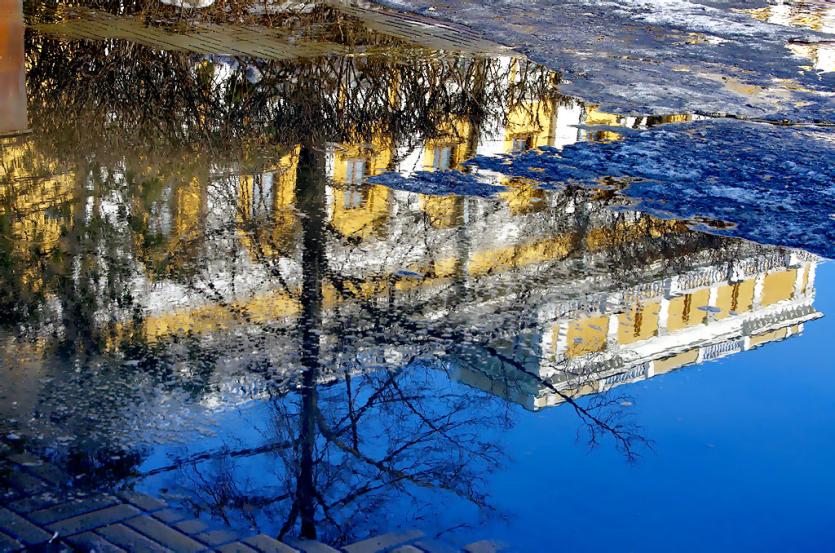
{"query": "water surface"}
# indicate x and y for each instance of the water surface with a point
(330, 284)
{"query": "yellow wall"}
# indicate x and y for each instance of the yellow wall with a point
(745, 296)
(30, 181)
(597, 117)
(455, 135)
(640, 322)
(285, 179)
(778, 286)
(679, 118)
(523, 196)
(587, 336)
(684, 310)
(627, 232)
(275, 235)
(668, 364)
(442, 211)
(377, 156)
(365, 220)
(534, 119)
(213, 318)
(189, 207)
(523, 254)
(770, 336)
(737, 298)
(30, 185)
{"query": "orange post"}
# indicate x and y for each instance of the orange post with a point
(12, 69)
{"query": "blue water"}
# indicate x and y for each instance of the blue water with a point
(202, 298)
(741, 460)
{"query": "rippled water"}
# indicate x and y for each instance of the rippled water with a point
(363, 274)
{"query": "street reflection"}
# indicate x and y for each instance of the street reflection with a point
(190, 235)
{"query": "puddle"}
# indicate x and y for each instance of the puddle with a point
(818, 16)
(327, 267)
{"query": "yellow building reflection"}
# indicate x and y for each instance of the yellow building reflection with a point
(698, 316)
(357, 210)
(36, 205)
(267, 223)
(214, 246)
(812, 15)
(451, 148)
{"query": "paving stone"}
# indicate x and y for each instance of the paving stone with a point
(25, 482)
(72, 508)
(169, 516)
(20, 528)
(131, 540)
(309, 546)
(266, 544)
(216, 537)
(407, 549)
(50, 473)
(485, 546)
(236, 547)
(192, 526)
(89, 541)
(8, 494)
(96, 519)
(435, 546)
(24, 458)
(35, 503)
(163, 534)
(8, 543)
(143, 501)
(382, 542)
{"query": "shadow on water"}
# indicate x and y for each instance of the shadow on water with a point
(203, 295)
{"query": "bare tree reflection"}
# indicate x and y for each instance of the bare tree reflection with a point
(178, 172)
(350, 448)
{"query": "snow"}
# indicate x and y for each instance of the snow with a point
(659, 56)
(775, 184)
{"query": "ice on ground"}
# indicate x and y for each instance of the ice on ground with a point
(438, 183)
(661, 56)
(776, 184)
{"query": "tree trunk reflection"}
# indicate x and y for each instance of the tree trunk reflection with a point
(310, 195)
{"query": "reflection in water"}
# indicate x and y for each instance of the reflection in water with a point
(12, 91)
(819, 17)
(192, 238)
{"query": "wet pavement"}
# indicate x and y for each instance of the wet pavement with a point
(36, 516)
(333, 271)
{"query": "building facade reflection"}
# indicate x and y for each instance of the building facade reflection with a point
(120, 248)
(288, 241)
(812, 15)
(205, 240)
(605, 340)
